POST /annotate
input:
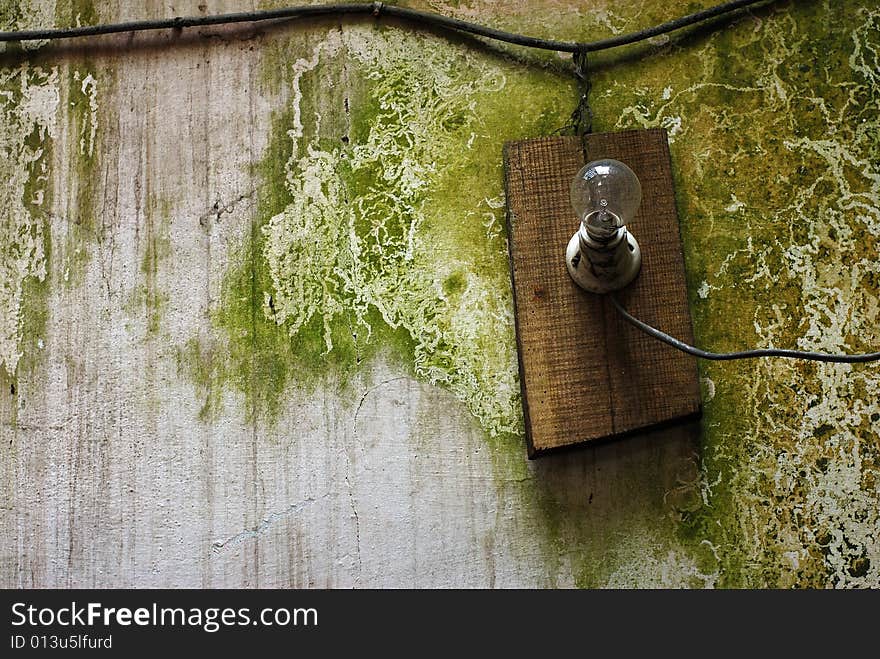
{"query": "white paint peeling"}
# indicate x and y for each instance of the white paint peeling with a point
(672, 126)
(31, 15)
(27, 110)
(735, 204)
(644, 564)
(837, 488)
(323, 265)
(89, 87)
(709, 388)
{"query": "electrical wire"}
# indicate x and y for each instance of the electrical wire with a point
(379, 9)
(745, 354)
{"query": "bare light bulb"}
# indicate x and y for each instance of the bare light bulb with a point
(605, 195)
(603, 256)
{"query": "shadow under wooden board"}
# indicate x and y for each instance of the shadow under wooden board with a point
(587, 375)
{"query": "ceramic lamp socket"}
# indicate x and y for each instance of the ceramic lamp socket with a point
(602, 267)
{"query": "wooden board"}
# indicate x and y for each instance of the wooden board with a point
(585, 374)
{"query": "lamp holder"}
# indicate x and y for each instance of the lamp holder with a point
(603, 266)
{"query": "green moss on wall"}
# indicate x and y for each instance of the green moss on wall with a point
(38, 95)
(149, 300)
(81, 113)
(252, 351)
(28, 99)
(84, 80)
(375, 225)
(76, 12)
(774, 130)
(382, 213)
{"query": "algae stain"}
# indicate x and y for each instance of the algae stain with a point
(28, 101)
(85, 82)
(35, 101)
(24, 15)
(29, 98)
(76, 12)
(398, 229)
(779, 195)
(752, 120)
(377, 226)
(401, 227)
(375, 197)
(787, 489)
(148, 299)
(249, 349)
(82, 118)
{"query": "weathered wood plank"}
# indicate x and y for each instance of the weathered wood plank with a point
(585, 374)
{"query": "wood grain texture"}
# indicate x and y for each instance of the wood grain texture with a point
(585, 374)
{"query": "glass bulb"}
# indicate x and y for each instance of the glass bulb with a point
(605, 194)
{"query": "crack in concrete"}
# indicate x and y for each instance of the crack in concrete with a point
(266, 523)
(357, 522)
(221, 208)
(371, 390)
(351, 498)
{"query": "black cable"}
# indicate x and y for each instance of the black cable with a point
(378, 9)
(582, 117)
(746, 354)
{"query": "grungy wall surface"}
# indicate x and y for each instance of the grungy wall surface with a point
(256, 323)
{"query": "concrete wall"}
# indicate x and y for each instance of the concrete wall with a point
(256, 323)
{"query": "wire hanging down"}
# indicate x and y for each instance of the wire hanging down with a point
(379, 9)
(746, 354)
